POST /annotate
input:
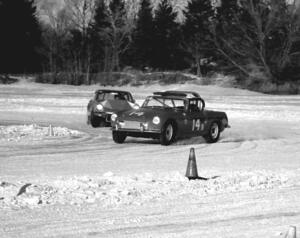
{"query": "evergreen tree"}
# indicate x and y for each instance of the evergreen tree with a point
(20, 36)
(99, 38)
(114, 30)
(196, 29)
(142, 45)
(117, 7)
(227, 9)
(166, 38)
(101, 19)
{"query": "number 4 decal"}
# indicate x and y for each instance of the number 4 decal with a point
(196, 125)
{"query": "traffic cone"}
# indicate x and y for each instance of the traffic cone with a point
(50, 131)
(291, 232)
(191, 170)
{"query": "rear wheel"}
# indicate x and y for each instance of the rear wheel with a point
(118, 137)
(167, 135)
(213, 133)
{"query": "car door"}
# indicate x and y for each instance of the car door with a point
(195, 117)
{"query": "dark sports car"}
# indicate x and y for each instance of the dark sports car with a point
(170, 115)
(107, 102)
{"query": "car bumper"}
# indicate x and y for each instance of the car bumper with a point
(142, 134)
(104, 115)
(138, 132)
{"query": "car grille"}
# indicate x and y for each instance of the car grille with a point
(108, 117)
(131, 125)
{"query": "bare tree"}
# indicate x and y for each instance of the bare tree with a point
(56, 29)
(258, 32)
(81, 14)
(292, 28)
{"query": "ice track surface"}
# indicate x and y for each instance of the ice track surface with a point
(85, 185)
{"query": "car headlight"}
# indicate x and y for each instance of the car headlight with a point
(99, 107)
(136, 106)
(156, 120)
(113, 117)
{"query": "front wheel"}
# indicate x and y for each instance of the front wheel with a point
(94, 120)
(97, 121)
(167, 135)
(213, 133)
(118, 137)
(88, 121)
(102, 123)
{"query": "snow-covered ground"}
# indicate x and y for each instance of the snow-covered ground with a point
(78, 183)
(30, 133)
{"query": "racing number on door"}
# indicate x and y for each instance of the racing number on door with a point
(196, 125)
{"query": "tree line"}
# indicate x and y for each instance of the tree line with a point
(251, 39)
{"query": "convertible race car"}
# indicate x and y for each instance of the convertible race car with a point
(168, 116)
(105, 103)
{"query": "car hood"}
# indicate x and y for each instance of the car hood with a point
(214, 114)
(115, 105)
(143, 114)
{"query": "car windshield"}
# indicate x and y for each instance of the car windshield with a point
(101, 96)
(161, 102)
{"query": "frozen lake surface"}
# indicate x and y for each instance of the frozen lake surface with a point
(79, 183)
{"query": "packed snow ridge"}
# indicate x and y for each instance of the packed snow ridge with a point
(110, 190)
(32, 132)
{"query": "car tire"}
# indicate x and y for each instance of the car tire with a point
(213, 132)
(88, 121)
(168, 133)
(118, 137)
(95, 121)
(102, 123)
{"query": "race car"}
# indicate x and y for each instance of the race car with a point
(168, 116)
(107, 102)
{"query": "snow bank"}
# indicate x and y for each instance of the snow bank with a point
(110, 190)
(32, 132)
